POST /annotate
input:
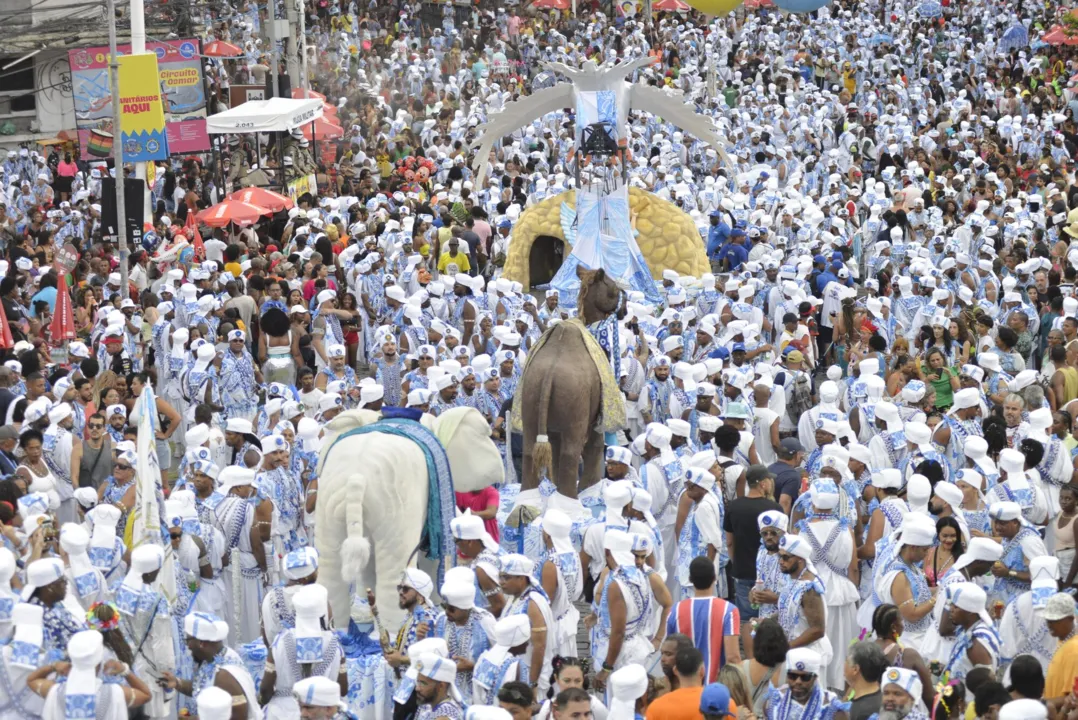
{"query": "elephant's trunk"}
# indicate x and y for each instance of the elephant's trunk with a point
(356, 550)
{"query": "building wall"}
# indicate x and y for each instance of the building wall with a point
(55, 105)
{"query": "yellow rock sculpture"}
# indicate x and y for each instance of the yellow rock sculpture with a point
(668, 237)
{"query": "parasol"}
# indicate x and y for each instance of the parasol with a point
(669, 6)
(220, 48)
(930, 9)
(323, 130)
(261, 197)
(62, 327)
(1014, 37)
(551, 4)
(1057, 35)
(231, 211)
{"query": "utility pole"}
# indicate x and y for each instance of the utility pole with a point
(291, 8)
(271, 9)
(138, 47)
(118, 146)
(305, 81)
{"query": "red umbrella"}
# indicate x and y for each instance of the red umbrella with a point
(551, 4)
(6, 340)
(297, 94)
(62, 327)
(670, 6)
(219, 48)
(231, 211)
(1057, 35)
(323, 130)
(262, 198)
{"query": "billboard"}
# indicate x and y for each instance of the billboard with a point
(182, 95)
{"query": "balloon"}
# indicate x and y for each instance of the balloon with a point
(800, 6)
(715, 7)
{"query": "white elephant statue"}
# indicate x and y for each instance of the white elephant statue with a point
(372, 500)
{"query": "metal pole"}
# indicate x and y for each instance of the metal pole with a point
(271, 8)
(117, 147)
(305, 83)
(138, 47)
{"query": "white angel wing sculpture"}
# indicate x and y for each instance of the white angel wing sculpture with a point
(514, 116)
(671, 106)
(591, 77)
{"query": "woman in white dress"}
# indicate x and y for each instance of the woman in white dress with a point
(35, 471)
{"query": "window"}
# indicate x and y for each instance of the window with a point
(17, 93)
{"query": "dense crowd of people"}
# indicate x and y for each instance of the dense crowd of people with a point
(845, 488)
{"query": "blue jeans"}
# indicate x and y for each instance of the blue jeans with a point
(741, 599)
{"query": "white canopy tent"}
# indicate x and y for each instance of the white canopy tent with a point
(259, 116)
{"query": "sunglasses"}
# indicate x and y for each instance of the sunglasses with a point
(97, 426)
(783, 557)
(799, 676)
(120, 466)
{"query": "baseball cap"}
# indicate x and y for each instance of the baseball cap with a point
(791, 445)
(756, 473)
(715, 700)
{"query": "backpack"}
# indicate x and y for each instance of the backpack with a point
(799, 399)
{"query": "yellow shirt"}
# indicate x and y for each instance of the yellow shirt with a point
(1062, 670)
(234, 268)
(460, 261)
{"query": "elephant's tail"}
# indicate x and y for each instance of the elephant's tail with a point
(356, 550)
(542, 453)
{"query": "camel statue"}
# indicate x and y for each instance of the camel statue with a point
(374, 488)
(568, 397)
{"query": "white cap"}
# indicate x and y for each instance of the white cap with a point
(803, 660)
(970, 597)
(41, 573)
(1024, 709)
(904, 678)
(318, 691)
(214, 704)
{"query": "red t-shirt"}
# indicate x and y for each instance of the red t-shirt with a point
(481, 500)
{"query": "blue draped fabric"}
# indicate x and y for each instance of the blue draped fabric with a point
(437, 539)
